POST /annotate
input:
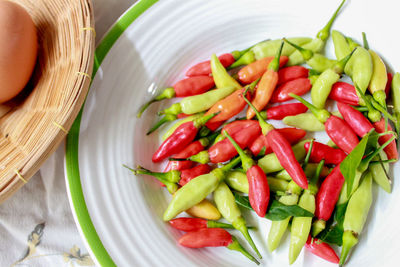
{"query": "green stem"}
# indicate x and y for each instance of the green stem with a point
(266, 127)
(339, 65)
(323, 34)
(240, 225)
(321, 114)
(198, 123)
(166, 94)
(245, 59)
(307, 158)
(373, 114)
(235, 245)
(306, 53)
(365, 161)
(174, 109)
(231, 164)
(274, 64)
(382, 109)
(247, 162)
(165, 119)
(365, 41)
(168, 179)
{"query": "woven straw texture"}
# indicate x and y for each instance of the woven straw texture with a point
(42, 115)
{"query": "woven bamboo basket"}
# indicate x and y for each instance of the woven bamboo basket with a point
(41, 116)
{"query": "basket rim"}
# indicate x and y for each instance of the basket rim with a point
(32, 161)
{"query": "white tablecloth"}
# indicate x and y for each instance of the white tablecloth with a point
(36, 224)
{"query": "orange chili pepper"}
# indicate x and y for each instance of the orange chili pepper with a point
(266, 86)
(255, 70)
(229, 106)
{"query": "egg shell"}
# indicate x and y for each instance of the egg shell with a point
(18, 49)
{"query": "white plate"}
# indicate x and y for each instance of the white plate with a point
(119, 215)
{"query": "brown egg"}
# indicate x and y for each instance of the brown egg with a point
(18, 49)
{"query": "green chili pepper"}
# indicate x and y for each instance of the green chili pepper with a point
(226, 204)
(270, 47)
(221, 77)
(196, 190)
(359, 68)
(316, 61)
(396, 99)
(342, 48)
(270, 163)
(379, 172)
(276, 184)
(306, 121)
(301, 226)
(317, 43)
(356, 215)
(278, 228)
(378, 81)
(198, 103)
(179, 123)
(237, 180)
(323, 85)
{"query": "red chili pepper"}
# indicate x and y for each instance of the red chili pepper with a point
(186, 87)
(341, 134)
(182, 115)
(204, 68)
(281, 147)
(195, 224)
(357, 121)
(292, 135)
(255, 70)
(388, 84)
(328, 194)
(189, 174)
(192, 149)
(238, 125)
(258, 185)
(224, 150)
(321, 152)
(180, 138)
(391, 149)
(178, 165)
(291, 73)
(322, 250)
(213, 237)
(299, 86)
(282, 111)
(345, 93)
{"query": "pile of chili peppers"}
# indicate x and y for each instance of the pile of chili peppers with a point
(220, 161)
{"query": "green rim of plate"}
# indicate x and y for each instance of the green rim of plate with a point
(72, 141)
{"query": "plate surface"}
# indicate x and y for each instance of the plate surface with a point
(119, 215)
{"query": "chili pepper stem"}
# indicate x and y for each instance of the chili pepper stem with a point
(321, 114)
(247, 162)
(214, 224)
(306, 53)
(235, 245)
(365, 162)
(265, 127)
(373, 114)
(245, 59)
(198, 123)
(166, 94)
(243, 229)
(162, 177)
(166, 118)
(230, 165)
(307, 158)
(339, 65)
(349, 241)
(365, 41)
(323, 34)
